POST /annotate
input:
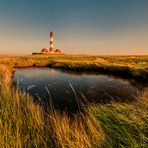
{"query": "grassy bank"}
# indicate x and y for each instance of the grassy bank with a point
(124, 66)
(24, 123)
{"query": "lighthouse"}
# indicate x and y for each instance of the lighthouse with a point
(51, 47)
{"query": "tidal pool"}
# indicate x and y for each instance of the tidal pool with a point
(66, 89)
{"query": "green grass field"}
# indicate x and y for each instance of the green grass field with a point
(23, 123)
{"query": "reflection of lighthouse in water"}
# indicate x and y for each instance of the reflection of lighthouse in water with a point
(52, 74)
(51, 47)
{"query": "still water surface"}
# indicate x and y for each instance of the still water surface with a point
(65, 88)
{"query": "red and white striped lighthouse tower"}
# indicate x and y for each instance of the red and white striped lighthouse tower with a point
(51, 47)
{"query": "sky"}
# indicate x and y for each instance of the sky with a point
(96, 27)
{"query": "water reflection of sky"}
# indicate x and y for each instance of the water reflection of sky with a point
(93, 86)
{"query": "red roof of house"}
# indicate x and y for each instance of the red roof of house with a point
(44, 50)
(58, 51)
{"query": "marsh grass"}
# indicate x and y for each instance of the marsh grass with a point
(24, 123)
(125, 66)
(125, 125)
